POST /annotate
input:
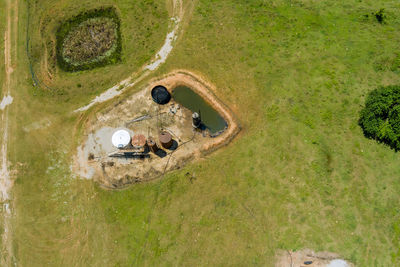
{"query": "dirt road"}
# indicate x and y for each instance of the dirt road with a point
(6, 182)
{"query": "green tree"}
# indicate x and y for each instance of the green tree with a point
(380, 118)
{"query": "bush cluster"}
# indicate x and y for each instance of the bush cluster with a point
(92, 39)
(380, 118)
(70, 24)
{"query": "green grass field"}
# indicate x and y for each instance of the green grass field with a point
(299, 175)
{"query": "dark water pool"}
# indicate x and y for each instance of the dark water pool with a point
(211, 119)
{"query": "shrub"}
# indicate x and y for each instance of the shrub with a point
(380, 118)
(380, 15)
(71, 24)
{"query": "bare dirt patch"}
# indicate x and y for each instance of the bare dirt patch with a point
(7, 100)
(139, 114)
(307, 257)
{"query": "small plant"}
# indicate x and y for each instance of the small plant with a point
(388, 63)
(380, 15)
(380, 118)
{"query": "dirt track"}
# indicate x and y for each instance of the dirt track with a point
(6, 182)
(176, 21)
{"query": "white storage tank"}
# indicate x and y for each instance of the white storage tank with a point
(121, 139)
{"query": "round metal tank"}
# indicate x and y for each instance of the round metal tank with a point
(160, 95)
(121, 139)
(138, 141)
(152, 145)
(165, 139)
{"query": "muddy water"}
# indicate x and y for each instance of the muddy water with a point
(209, 116)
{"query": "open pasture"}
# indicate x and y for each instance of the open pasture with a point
(299, 175)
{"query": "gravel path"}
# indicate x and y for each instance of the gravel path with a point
(157, 60)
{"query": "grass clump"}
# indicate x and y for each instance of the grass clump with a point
(380, 15)
(380, 118)
(89, 40)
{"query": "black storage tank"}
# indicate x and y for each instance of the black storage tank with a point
(160, 95)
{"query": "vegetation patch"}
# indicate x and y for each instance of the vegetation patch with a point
(89, 40)
(380, 118)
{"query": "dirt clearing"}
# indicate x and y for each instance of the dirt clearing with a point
(304, 258)
(140, 115)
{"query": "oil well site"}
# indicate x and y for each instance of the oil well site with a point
(171, 121)
(200, 133)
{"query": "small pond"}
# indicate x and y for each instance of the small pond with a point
(211, 119)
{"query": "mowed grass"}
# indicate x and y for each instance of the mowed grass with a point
(299, 175)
